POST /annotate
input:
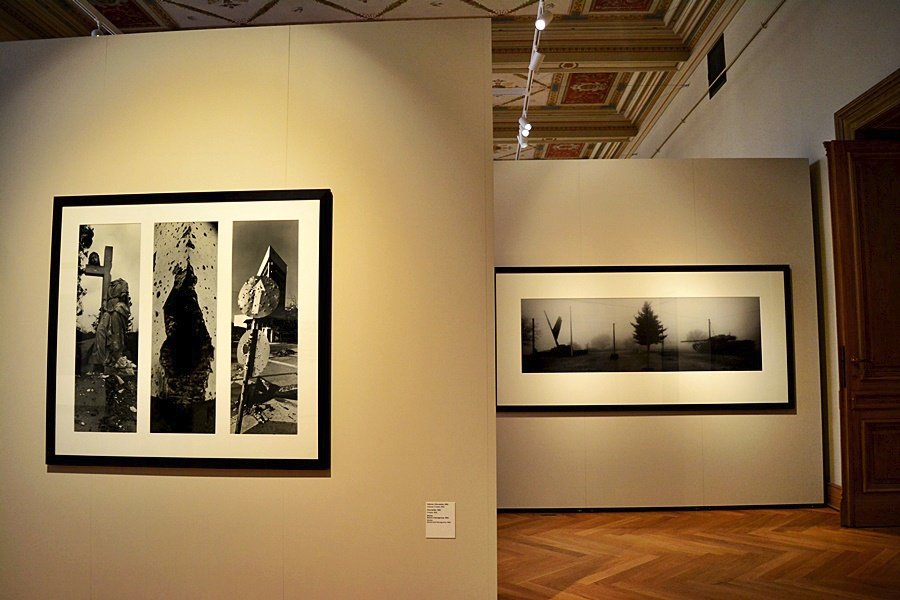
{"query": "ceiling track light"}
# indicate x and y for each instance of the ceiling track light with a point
(543, 17)
(534, 64)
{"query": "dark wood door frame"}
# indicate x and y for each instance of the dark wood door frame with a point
(869, 400)
(873, 111)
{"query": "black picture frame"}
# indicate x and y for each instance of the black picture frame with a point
(144, 382)
(548, 373)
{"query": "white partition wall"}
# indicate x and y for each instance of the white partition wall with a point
(663, 212)
(362, 109)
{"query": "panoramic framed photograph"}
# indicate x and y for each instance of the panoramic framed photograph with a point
(191, 330)
(667, 338)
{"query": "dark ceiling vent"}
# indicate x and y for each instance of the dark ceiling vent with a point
(715, 66)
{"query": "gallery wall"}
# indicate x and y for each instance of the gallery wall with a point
(361, 109)
(811, 60)
(663, 212)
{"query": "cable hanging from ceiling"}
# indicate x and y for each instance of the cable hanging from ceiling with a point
(541, 21)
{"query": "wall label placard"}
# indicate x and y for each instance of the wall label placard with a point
(440, 520)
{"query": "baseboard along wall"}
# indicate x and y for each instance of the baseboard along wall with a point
(834, 496)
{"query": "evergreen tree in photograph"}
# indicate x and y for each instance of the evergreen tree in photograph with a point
(648, 329)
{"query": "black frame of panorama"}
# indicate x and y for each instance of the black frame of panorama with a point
(527, 367)
(314, 208)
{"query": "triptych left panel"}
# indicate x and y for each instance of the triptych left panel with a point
(107, 330)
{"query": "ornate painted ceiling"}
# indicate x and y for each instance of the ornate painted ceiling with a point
(611, 66)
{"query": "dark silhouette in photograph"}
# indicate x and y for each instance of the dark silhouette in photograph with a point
(183, 358)
(648, 330)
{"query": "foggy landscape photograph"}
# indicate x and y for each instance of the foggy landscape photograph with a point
(640, 334)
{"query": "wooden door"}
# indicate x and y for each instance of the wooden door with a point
(865, 214)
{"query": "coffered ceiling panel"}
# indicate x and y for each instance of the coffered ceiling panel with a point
(611, 66)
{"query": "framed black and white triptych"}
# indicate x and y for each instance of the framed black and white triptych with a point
(191, 330)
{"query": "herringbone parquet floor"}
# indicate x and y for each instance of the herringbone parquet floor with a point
(771, 554)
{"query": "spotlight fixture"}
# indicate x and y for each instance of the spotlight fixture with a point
(543, 19)
(522, 142)
(537, 58)
(523, 124)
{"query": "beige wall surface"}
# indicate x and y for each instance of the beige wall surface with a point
(663, 212)
(780, 98)
(376, 112)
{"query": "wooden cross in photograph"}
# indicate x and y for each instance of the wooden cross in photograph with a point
(103, 270)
